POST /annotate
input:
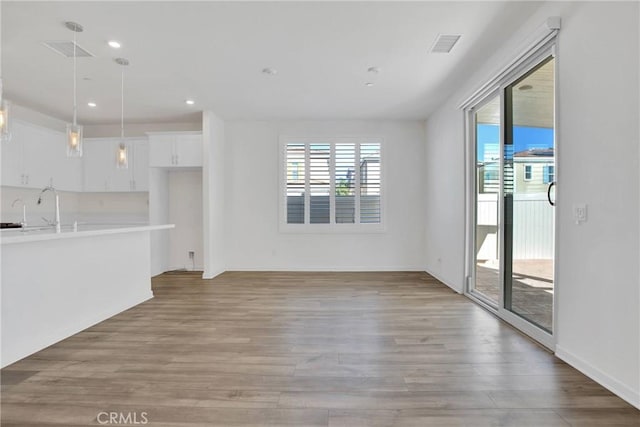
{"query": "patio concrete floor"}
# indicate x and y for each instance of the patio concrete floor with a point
(532, 294)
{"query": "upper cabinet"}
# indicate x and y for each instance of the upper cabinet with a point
(175, 149)
(140, 163)
(101, 173)
(36, 157)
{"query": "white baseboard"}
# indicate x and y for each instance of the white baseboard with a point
(328, 269)
(186, 268)
(622, 390)
(444, 281)
(212, 274)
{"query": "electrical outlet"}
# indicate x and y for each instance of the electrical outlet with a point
(579, 212)
(192, 254)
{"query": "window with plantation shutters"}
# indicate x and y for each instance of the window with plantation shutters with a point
(319, 183)
(344, 176)
(369, 183)
(295, 183)
(332, 182)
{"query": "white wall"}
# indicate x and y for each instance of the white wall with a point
(185, 211)
(159, 214)
(444, 189)
(598, 281)
(214, 187)
(253, 239)
(598, 301)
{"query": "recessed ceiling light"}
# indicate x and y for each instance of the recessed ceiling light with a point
(189, 102)
(92, 104)
(525, 87)
(368, 84)
(374, 70)
(114, 44)
(270, 71)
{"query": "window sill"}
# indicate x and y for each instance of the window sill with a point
(332, 228)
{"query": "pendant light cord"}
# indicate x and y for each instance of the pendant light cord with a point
(75, 98)
(122, 107)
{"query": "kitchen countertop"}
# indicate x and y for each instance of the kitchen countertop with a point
(13, 236)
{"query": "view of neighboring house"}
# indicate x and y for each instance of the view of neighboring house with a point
(534, 170)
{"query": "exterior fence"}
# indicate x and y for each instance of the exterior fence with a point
(533, 226)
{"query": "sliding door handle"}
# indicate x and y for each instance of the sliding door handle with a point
(549, 193)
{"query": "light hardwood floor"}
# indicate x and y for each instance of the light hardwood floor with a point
(305, 349)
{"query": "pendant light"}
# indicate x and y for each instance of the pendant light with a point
(74, 130)
(5, 129)
(122, 155)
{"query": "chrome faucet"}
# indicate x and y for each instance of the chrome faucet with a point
(24, 212)
(55, 223)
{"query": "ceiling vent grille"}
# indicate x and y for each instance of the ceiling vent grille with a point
(444, 43)
(65, 48)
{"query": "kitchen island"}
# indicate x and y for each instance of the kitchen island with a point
(56, 284)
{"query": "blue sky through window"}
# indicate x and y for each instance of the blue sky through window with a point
(524, 137)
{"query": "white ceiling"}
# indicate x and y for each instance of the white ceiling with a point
(214, 53)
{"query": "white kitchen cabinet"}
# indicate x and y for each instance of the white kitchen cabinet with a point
(12, 159)
(161, 150)
(189, 150)
(101, 173)
(99, 159)
(140, 162)
(36, 157)
(175, 149)
(39, 157)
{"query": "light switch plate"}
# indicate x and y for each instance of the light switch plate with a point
(579, 212)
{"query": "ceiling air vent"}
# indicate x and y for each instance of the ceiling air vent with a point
(444, 43)
(65, 48)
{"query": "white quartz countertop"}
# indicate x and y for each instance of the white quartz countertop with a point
(17, 235)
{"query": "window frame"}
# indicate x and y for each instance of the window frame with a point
(548, 174)
(332, 227)
(524, 172)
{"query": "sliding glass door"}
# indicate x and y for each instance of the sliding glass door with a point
(487, 191)
(512, 168)
(529, 178)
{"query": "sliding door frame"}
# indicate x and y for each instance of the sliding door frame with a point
(471, 167)
(545, 49)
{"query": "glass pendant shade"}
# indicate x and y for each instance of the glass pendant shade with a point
(122, 156)
(74, 130)
(74, 140)
(5, 123)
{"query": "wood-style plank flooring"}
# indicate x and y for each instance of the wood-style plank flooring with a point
(305, 349)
